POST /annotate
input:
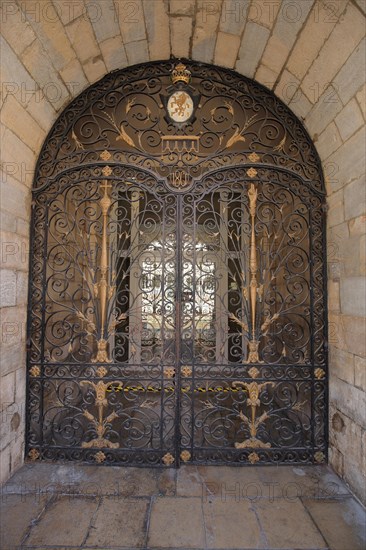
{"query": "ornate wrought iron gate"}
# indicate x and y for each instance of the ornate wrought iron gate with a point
(177, 308)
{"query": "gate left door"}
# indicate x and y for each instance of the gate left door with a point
(104, 339)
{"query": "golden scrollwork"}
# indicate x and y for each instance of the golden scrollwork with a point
(168, 459)
(100, 423)
(185, 456)
(254, 390)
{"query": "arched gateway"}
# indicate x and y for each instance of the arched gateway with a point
(177, 304)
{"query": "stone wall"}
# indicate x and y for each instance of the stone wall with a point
(311, 53)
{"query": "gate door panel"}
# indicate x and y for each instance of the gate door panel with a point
(177, 300)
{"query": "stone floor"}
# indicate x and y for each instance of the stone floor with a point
(71, 506)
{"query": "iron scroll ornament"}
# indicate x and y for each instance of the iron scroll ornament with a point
(142, 351)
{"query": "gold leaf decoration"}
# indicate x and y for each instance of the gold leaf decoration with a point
(319, 457)
(34, 454)
(252, 172)
(253, 458)
(235, 138)
(169, 372)
(319, 373)
(35, 371)
(186, 371)
(107, 170)
(185, 456)
(168, 459)
(99, 457)
(105, 155)
(253, 157)
(101, 372)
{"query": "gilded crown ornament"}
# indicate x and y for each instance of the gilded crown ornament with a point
(181, 74)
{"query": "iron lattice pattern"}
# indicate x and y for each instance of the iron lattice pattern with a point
(177, 308)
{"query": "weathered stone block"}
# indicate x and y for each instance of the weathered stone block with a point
(348, 399)
(323, 111)
(333, 296)
(17, 159)
(341, 364)
(137, 52)
(352, 75)
(348, 31)
(227, 46)
(353, 296)
(287, 87)
(94, 69)
(233, 16)
(180, 35)
(335, 209)
(7, 390)
(82, 38)
(263, 13)
(74, 77)
(157, 28)
(39, 65)
(361, 98)
(182, 7)
(114, 54)
(15, 29)
(104, 18)
(266, 76)
(349, 120)
(355, 198)
(131, 21)
(357, 226)
(360, 373)
(204, 37)
(15, 117)
(251, 49)
(8, 283)
(348, 161)
(329, 141)
(313, 35)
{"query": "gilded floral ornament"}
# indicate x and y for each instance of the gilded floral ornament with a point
(105, 155)
(253, 372)
(253, 458)
(253, 157)
(107, 170)
(169, 372)
(252, 172)
(319, 457)
(34, 454)
(99, 457)
(101, 372)
(186, 371)
(35, 371)
(319, 373)
(185, 456)
(168, 459)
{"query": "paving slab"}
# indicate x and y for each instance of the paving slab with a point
(301, 482)
(65, 521)
(232, 524)
(220, 481)
(288, 525)
(72, 479)
(17, 513)
(119, 523)
(176, 523)
(342, 523)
